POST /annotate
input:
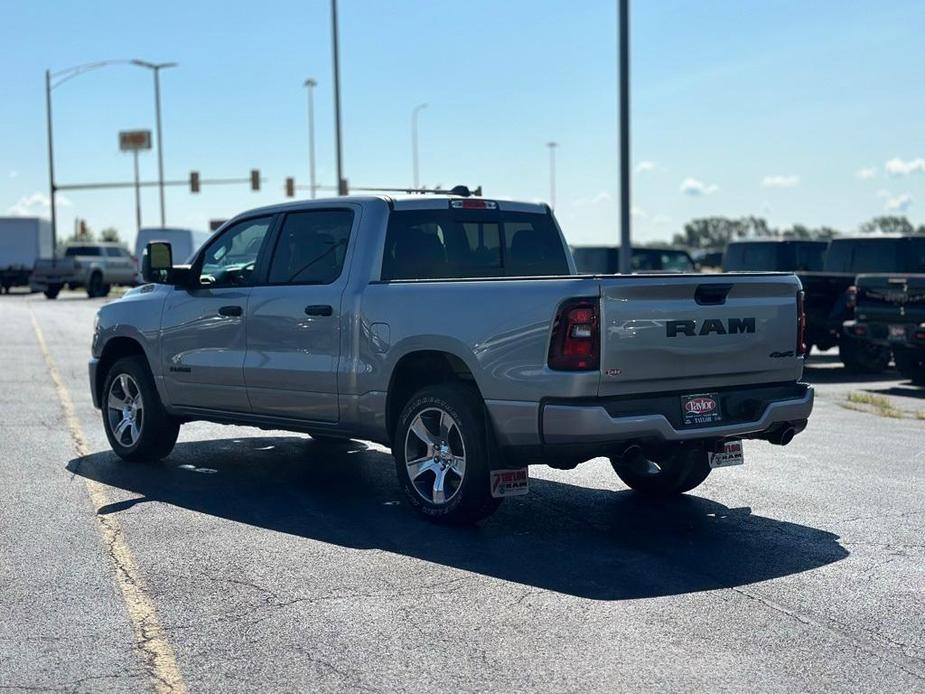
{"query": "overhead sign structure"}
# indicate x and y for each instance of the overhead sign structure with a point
(134, 140)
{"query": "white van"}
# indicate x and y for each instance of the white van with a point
(184, 242)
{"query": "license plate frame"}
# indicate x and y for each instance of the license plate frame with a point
(896, 333)
(694, 410)
(733, 453)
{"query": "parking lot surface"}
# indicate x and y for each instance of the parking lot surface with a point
(263, 561)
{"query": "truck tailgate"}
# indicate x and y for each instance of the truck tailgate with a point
(680, 332)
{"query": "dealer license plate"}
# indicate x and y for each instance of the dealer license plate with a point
(732, 454)
(700, 409)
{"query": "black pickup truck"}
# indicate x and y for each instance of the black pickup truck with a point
(890, 315)
(828, 278)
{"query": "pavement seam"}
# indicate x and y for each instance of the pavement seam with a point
(150, 640)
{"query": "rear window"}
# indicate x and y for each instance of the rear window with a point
(877, 255)
(83, 250)
(760, 257)
(436, 244)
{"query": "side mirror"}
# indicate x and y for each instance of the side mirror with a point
(157, 262)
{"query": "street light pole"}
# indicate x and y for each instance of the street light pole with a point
(51, 170)
(414, 140)
(626, 251)
(311, 84)
(552, 173)
(137, 195)
(156, 69)
(341, 183)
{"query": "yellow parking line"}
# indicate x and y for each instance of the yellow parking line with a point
(150, 640)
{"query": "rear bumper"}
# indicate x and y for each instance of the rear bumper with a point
(564, 424)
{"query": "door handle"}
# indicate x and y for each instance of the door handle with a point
(319, 310)
(230, 311)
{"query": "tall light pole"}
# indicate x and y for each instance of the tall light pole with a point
(626, 251)
(414, 141)
(62, 76)
(156, 68)
(552, 173)
(311, 84)
(341, 183)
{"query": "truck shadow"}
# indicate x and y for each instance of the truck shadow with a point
(590, 543)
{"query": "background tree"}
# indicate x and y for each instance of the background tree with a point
(110, 234)
(888, 224)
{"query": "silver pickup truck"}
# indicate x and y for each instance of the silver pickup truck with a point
(93, 266)
(456, 331)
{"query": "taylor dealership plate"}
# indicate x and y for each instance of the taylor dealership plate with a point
(700, 409)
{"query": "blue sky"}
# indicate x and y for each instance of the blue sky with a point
(808, 112)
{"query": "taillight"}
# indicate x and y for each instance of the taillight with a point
(802, 347)
(575, 344)
(851, 297)
(920, 332)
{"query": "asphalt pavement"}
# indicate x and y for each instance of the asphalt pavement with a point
(264, 561)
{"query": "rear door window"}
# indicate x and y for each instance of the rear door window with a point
(83, 250)
(311, 247)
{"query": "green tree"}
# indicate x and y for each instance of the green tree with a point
(888, 224)
(110, 234)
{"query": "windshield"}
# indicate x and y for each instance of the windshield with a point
(82, 250)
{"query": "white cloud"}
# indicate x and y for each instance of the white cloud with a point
(883, 193)
(899, 203)
(691, 186)
(599, 199)
(780, 181)
(35, 205)
(646, 165)
(866, 174)
(639, 213)
(899, 167)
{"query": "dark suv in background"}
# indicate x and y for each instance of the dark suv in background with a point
(605, 260)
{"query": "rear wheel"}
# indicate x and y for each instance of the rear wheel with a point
(52, 290)
(673, 470)
(863, 357)
(441, 451)
(136, 424)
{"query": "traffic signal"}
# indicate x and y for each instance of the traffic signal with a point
(194, 181)
(255, 179)
(290, 187)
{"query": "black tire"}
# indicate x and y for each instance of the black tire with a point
(911, 364)
(470, 498)
(157, 431)
(676, 470)
(862, 357)
(52, 290)
(105, 290)
(95, 285)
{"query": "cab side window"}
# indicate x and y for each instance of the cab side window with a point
(311, 248)
(230, 260)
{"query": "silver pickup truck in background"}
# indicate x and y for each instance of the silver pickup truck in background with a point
(456, 331)
(93, 266)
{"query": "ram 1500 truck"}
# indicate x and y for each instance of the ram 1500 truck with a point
(890, 315)
(456, 331)
(93, 266)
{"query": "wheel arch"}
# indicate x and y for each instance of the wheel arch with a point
(116, 348)
(420, 368)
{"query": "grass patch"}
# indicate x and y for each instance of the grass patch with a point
(875, 404)
(920, 414)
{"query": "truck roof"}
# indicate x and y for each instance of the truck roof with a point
(427, 201)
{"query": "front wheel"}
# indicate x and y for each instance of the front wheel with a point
(911, 364)
(441, 451)
(671, 471)
(52, 290)
(862, 357)
(95, 285)
(136, 423)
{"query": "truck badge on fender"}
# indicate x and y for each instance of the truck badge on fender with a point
(733, 326)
